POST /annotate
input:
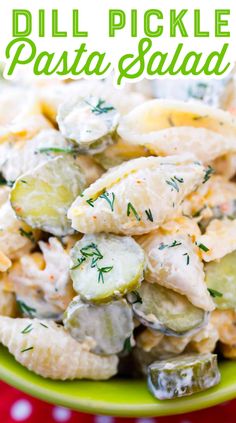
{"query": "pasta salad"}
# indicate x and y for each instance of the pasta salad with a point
(118, 230)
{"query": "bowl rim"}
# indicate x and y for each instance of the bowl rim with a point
(221, 393)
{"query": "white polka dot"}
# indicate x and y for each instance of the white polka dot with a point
(145, 420)
(61, 414)
(103, 419)
(21, 410)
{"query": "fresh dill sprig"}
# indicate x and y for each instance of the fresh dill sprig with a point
(175, 244)
(42, 324)
(66, 150)
(90, 201)
(187, 258)
(91, 250)
(27, 349)
(24, 309)
(110, 201)
(208, 173)
(215, 293)
(26, 234)
(180, 180)
(173, 183)
(27, 329)
(80, 260)
(101, 107)
(130, 208)
(101, 271)
(149, 215)
(203, 247)
(162, 246)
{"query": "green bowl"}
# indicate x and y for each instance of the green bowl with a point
(117, 397)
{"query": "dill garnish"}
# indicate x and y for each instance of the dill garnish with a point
(91, 250)
(24, 309)
(208, 172)
(215, 293)
(102, 270)
(162, 246)
(27, 349)
(187, 257)
(42, 324)
(149, 215)
(105, 196)
(175, 244)
(100, 107)
(90, 201)
(203, 247)
(68, 150)
(80, 260)
(180, 180)
(130, 208)
(127, 345)
(172, 182)
(28, 235)
(27, 329)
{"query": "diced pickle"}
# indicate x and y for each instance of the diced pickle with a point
(106, 326)
(88, 121)
(166, 311)
(221, 281)
(41, 197)
(183, 375)
(106, 266)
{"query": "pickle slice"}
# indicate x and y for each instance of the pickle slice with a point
(183, 375)
(88, 121)
(106, 327)
(41, 197)
(106, 266)
(221, 281)
(166, 311)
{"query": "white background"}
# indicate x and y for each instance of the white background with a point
(94, 19)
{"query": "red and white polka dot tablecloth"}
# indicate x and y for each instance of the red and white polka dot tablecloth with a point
(16, 406)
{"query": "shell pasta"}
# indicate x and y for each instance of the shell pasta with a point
(117, 231)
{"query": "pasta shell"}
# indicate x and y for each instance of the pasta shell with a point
(20, 157)
(217, 195)
(169, 127)
(144, 192)
(172, 261)
(218, 240)
(205, 340)
(224, 321)
(16, 238)
(124, 100)
(48, 350)
(46, 273)
(5, 262)
(7, 303)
